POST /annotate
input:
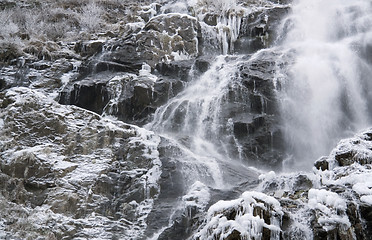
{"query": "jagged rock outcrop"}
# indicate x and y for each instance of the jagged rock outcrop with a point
(130, 97)
(168, 37)
(67, 171)
(259, 29)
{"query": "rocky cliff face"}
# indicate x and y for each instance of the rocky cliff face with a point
(80, 85)
(68, 173)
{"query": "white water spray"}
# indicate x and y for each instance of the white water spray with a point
(195, 120)
(325, 98)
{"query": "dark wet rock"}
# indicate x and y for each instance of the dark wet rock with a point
(202, 64)
(345, 158)
(131, 98)
(320, 233)
(3, 84)
(41, 65)
(177, 69)
(257, 132)
(322, 164)
(355, 220)
(38, 74)
(366, 214)
(258, 29)
(88, 49)
(348, 158)
(210, 19)
(90, 94)
(172, 186)
(121, 56)
(354, 150)
(302, 183)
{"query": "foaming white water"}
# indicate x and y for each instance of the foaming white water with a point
(195, 120)
(193, 117)
(326, 94)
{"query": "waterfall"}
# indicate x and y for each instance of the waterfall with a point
(196, 120)
(322, 88)
(325, 94)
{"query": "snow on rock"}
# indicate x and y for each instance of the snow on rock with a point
(333, 202)
(169, 34)
(321, 198)
(332, 208)
(253, 216)
(357, 149)
(197, 196)
(68, 173)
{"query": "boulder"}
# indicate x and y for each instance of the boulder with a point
(89, 48)
(322, 164)
(90, 94)
(169, 36)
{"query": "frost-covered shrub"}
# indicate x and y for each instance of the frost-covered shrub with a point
(58, 22)
(10, 49)
(10, 44)
(33, 21)
(8, 28)
(71, 4)
(91, 17)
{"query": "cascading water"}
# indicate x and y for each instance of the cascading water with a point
(321, 79)
(196, 120)
(325, 94)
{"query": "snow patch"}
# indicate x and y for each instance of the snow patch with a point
(267, 176)
(197, 196)
(247, 219)
(323, 199)
(367, 199)
(332, 208)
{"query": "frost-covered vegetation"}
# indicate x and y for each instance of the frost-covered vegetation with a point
(27, 26)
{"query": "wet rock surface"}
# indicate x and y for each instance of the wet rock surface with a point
(258, 29)
(130, 97)
(258, 133)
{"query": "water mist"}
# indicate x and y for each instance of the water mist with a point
(324, 98)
